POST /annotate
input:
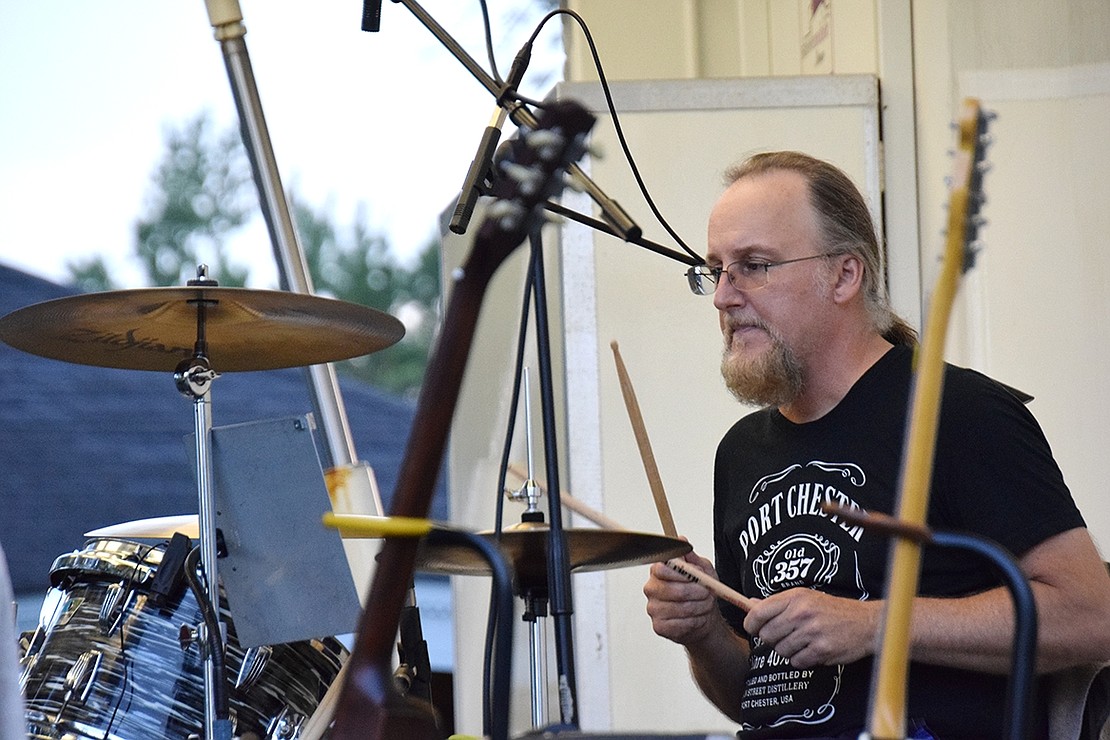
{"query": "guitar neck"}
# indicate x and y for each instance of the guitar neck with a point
(887, 715)
(369, 705)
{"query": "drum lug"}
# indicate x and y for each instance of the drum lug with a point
(30, 655)
(254, 663)
(112, 611)
(82, 675)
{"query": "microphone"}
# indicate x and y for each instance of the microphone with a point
(481, 167)
(481, 170)
(371, 15)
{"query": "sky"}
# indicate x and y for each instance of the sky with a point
(389, 120)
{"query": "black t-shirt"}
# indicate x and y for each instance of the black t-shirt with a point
(994, 476)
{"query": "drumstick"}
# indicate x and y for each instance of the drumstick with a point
(655, 482)
(640, 431)
(692, 572)
(316, 725)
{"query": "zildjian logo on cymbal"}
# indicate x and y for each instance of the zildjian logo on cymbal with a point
(123, 342)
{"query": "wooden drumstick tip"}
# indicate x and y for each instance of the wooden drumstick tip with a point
(647, 457)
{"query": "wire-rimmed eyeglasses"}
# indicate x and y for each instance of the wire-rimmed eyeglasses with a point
(745, 274)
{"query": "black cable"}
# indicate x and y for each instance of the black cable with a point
(501, 603)
(491, 627)
(616, 121)
(212, 629)
(127, 687)
(489, 43)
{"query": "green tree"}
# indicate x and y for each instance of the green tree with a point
(358, 266)
(200, 196)
(90, 275)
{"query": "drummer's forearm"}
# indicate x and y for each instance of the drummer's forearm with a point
(719, 665)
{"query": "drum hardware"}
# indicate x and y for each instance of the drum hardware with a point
(254, 663)
(340, 455)
(535, 600)
(286, 725)
(187, 634)
(81, 676)
(152, 328)
(147, 687)
(114, 608)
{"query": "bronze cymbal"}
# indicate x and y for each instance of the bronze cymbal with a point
(156, 328)
(525, 547)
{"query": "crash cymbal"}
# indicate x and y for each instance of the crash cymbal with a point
(525, 547)
(156, 328)
(155, 528)
(350, 526)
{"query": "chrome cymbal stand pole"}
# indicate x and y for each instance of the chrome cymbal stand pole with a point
(534, 612)
(194, 378)
(339, 452)
(227, 21)
(535, 607)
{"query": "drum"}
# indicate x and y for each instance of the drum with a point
(109, 661)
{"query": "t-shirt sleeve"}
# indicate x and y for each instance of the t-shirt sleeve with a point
(995, 472)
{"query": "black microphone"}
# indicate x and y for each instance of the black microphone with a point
(481, 171)
(371, 15)
(481, 167)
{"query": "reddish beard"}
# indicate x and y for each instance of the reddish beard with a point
(772, 377)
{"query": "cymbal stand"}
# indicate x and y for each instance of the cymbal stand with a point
(535, 610)
(194, 378)
(535, 604)
(339, 452)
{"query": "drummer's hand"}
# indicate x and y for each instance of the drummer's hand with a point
(811, 628)
(680, 610)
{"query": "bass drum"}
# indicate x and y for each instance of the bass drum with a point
(108, 662)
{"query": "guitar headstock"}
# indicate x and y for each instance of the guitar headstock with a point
(966, 198)
(530, 170)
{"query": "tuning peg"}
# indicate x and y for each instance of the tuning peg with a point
(508, 215)
(527, 178)
(547, 144)
(545, 137)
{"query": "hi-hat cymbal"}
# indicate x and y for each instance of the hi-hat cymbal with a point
(156, 328)
(525, 547)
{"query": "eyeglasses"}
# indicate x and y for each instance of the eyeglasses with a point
(746, 274)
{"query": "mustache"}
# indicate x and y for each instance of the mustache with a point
(732, 322)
